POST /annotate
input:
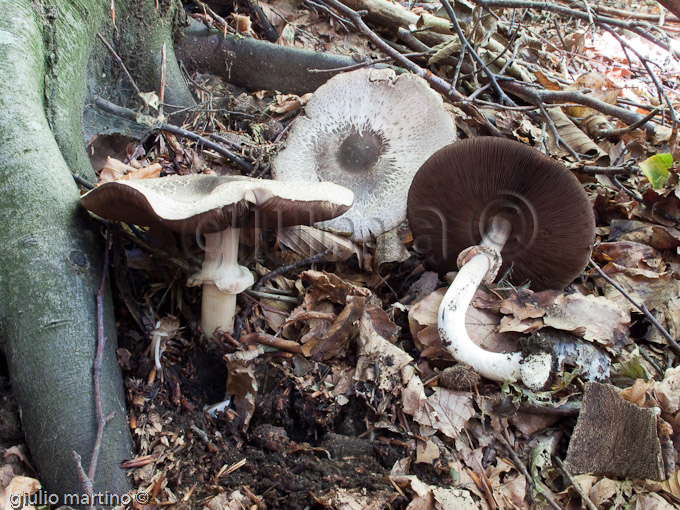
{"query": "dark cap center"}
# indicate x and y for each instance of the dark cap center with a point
(358, 152)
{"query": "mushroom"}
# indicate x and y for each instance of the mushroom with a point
(370, 131)
(498, 204)
(218, 207)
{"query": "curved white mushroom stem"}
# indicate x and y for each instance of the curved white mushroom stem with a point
(533, 370)
(222, 279)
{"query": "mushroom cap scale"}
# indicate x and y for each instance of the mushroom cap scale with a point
(368, 130)
(463, 186)
(210, 203)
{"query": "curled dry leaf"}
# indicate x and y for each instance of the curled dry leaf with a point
(572, 136)
(115, 170)
(630, 254)
(284, 103)
(336, 340)
(329, 286)
(308, 241)
(241, 382)
(19, 487)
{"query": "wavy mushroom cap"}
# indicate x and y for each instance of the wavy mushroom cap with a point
(461, 187)
(370, 131)
(210, 203)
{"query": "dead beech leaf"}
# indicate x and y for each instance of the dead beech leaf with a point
(637, 393)
(594, 318)
(115, 170)
(308, 241)
(547, 82)
(507, 484)
(646, 287)
(657, 236)
(375, 350)
(630, 254)
(527, 304)
(430, 497)
(668, 391)
(329, 286)
(443, 50)
(445, 410)
(241, 382)
(243, 24)
(335, 342)
(19, 487)
(284, 103)
(426, 452)
(583, 112)
(572, 136)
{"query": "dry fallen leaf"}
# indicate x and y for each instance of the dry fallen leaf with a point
(115, 170)
(445, 410)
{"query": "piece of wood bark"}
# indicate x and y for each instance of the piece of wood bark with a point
(615, 437)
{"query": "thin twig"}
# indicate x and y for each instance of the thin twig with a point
(577, 487)
(674, 346)
(368, 63)
(604, 170)
(536, 95)
(641, 29)
(118, 60)
(98, 360)
(530, 492)
(82, 182)
(154, 124)
(82, 477)
(454, 19)
(317, 257)
(435, 81)
(663, 97)
(605, 133)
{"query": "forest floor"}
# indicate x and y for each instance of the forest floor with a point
(380, 416)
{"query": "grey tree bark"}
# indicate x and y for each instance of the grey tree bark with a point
(50, 258)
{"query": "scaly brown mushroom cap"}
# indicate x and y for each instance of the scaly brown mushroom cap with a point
(210, 203)
(462, 186)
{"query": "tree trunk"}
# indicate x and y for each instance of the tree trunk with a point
(50, 260)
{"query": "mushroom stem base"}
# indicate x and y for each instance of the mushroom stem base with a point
(217, 310)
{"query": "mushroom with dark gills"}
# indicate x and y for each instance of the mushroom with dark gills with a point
(497, 204)
(218, 207)
(368, 130)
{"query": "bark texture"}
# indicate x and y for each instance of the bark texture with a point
(50, 271)
(50, 258)
(258, 65)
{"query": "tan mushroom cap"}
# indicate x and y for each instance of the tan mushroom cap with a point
(368, 130)
(461, 187)
(210, 203)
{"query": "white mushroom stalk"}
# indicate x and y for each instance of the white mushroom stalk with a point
(533, 370)
(222, 278)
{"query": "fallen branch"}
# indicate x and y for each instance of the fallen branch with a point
(537, 96)
(640, 28)
(674, 346)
